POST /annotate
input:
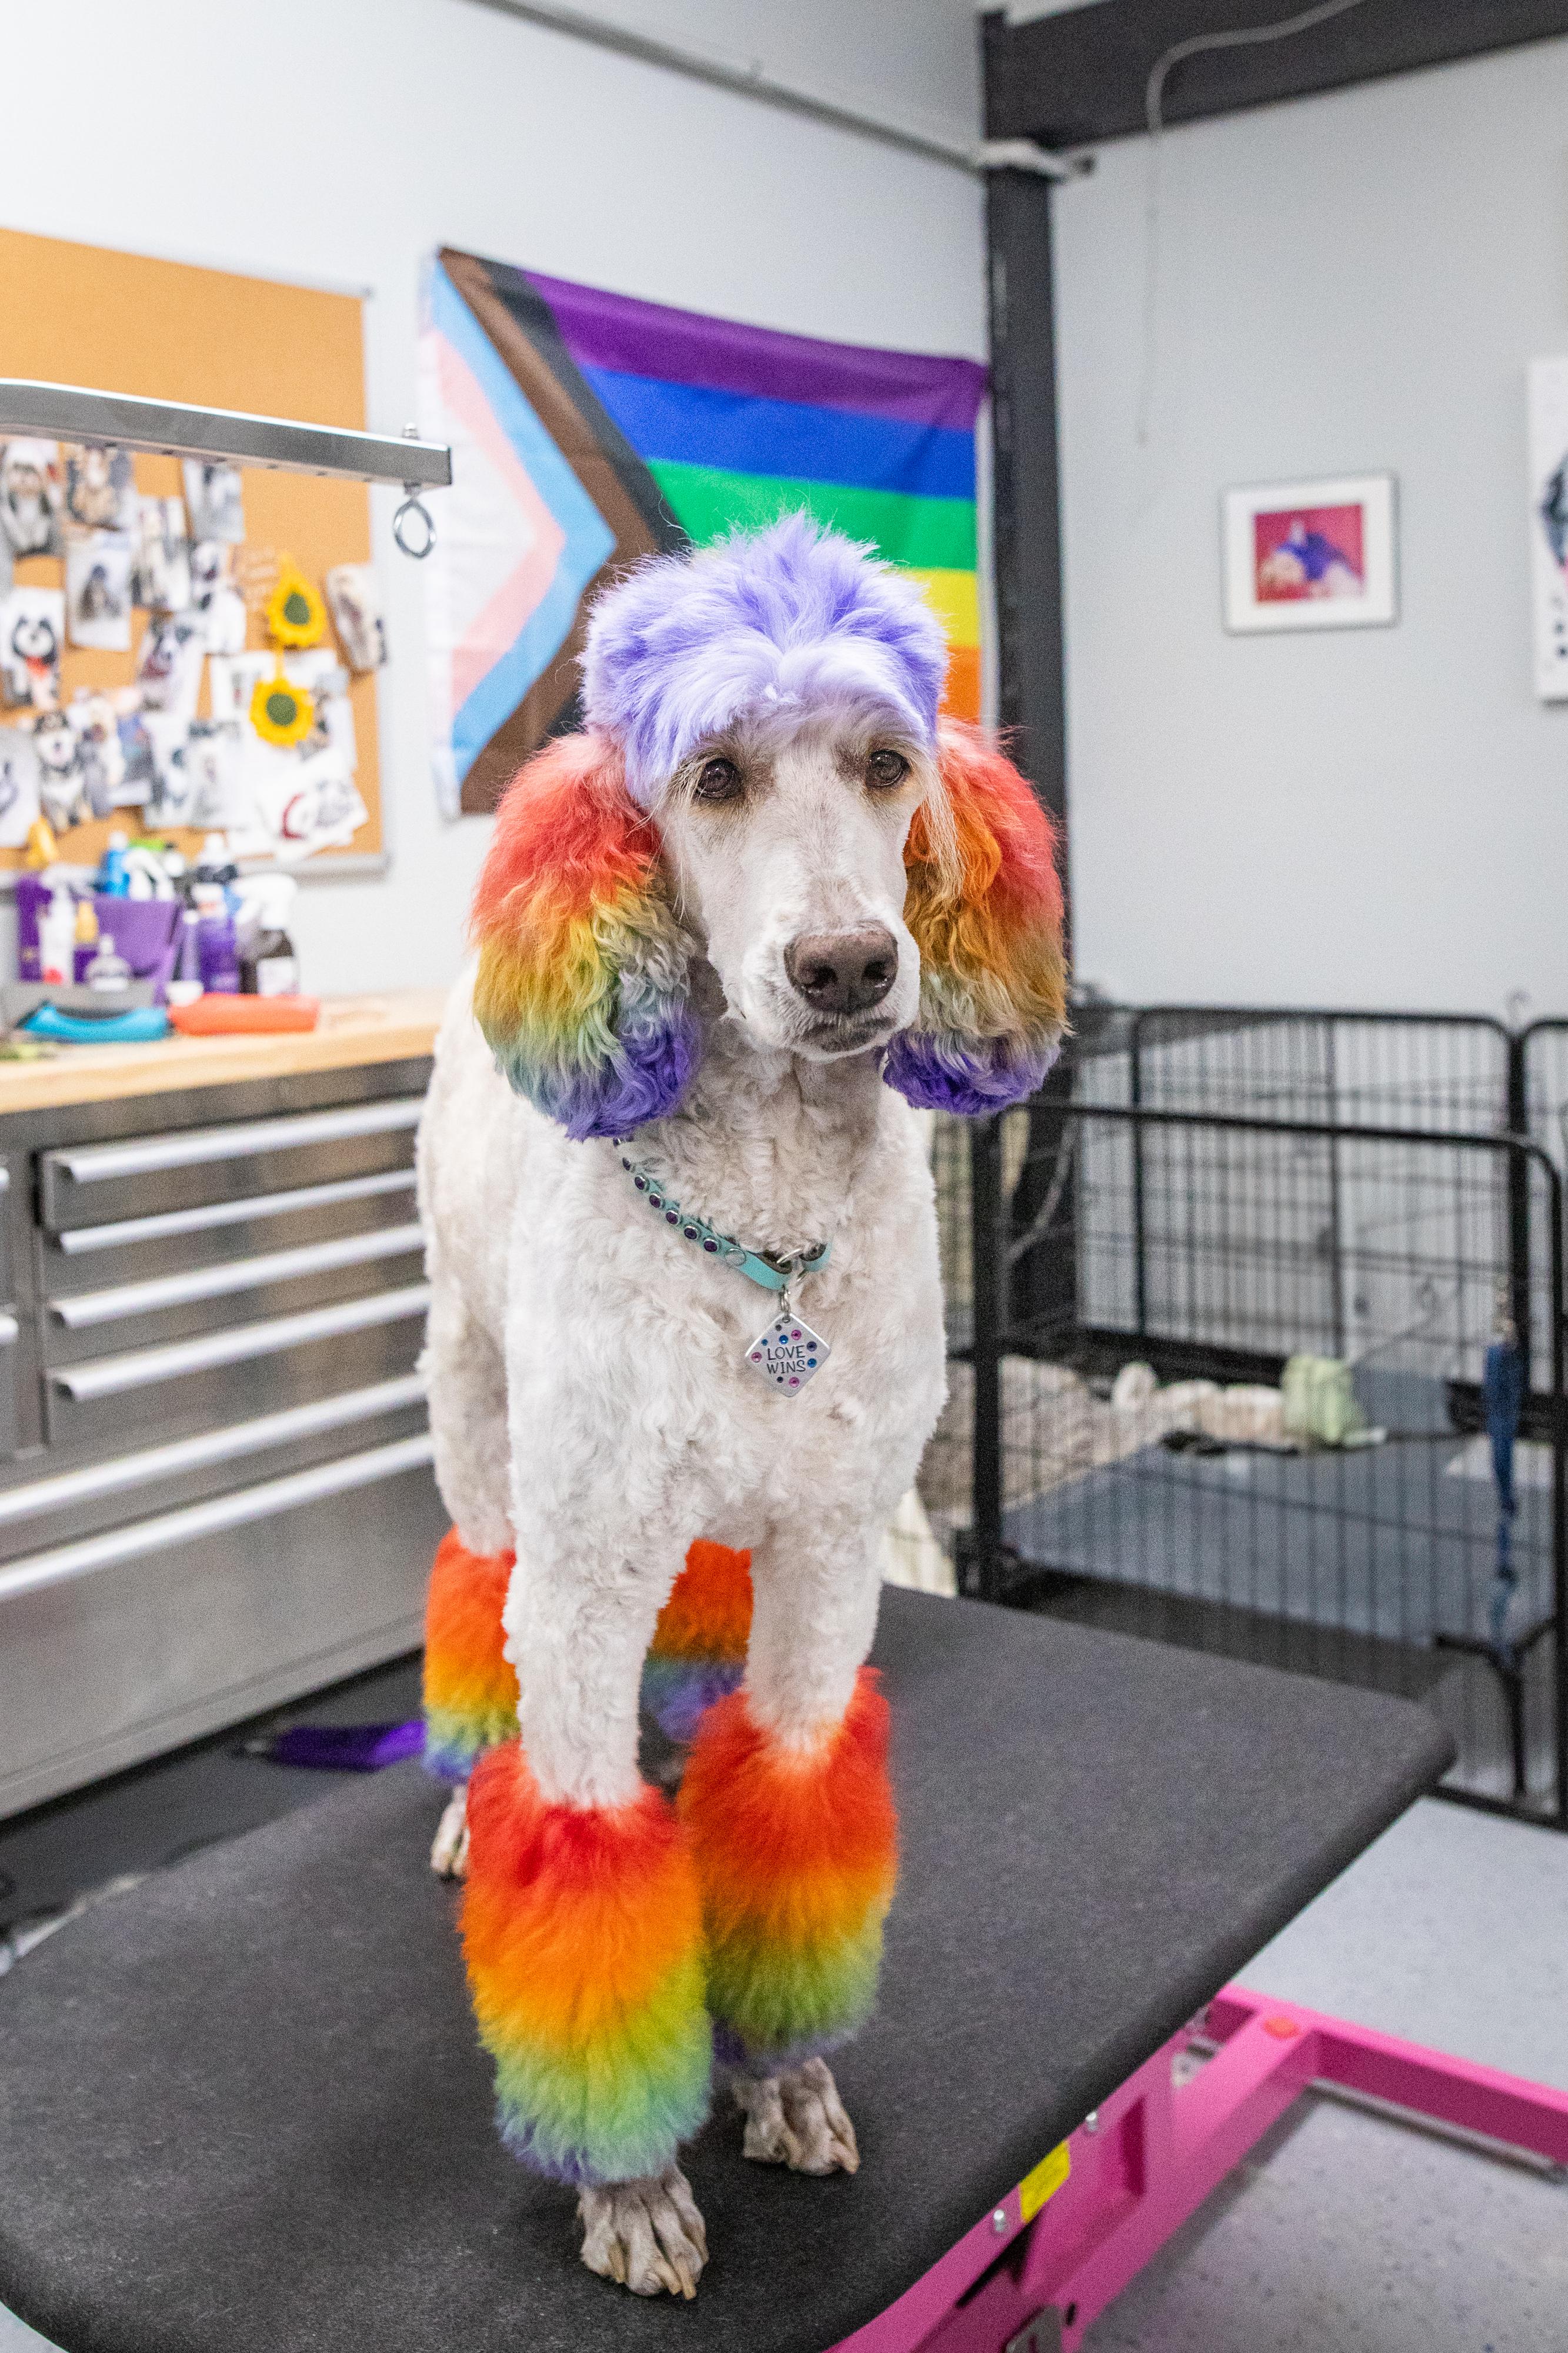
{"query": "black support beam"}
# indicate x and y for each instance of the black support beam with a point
(1031, 703)
(1072, 79)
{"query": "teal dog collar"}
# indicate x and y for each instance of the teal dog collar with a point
(759, 1266)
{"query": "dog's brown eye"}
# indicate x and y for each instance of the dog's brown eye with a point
(718, 781)
(887, 768)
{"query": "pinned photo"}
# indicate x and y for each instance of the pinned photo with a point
(30, 497)
(99, 488)
(305, 805)
(168, 736)
(354, 596)
(32, 625)
(100, 759)
(216, 596)
(136, 751)
(216, 497)
(59, 774)
(169, 664)
(19, 804)
(232, 681)
(214, 773)
(98, 591)
(163, 574)
(332, 718)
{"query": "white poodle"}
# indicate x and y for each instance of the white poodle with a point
(682, 1244)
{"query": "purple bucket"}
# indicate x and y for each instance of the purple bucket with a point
(145, 932)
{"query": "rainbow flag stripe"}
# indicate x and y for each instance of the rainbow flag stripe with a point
(739, 425)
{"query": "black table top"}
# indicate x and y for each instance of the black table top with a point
(245, 2110)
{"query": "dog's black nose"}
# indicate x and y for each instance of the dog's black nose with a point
(843, 972)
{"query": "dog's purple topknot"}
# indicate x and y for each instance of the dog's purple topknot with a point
(793, 619)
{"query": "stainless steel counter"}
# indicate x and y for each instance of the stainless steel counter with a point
(215, 1481)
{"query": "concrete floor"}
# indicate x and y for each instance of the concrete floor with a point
(1343, 2234)
(1347, 2233)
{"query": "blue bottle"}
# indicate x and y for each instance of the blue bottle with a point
(113, 878)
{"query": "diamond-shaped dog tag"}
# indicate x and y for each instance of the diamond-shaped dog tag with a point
(786, 1354)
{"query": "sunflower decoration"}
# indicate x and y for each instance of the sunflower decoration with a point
(296, 617)
(282, 713)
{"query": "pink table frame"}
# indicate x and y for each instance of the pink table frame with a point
(1032, 2281)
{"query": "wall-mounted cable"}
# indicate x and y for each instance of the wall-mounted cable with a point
(1195, 45)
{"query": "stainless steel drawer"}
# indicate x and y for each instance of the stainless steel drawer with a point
(127, 1644)
(54, 1507)
(123, 1251)
(244, 1369)
(10, 1335)
(168, 1307)
(185, 1168)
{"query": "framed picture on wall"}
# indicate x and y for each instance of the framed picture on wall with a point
(1549, 524)
(1311, 555)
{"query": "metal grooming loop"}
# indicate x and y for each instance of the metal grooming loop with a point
(172, 428)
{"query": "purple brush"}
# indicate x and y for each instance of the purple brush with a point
(340, 1747)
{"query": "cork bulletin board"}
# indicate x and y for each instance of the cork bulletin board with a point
(82, 314)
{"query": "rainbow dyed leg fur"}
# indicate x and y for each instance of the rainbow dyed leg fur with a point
(793, 1826)
(470, 1691)
(698, 1655)
(583, 1925)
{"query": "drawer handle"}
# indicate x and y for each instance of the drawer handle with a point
(208, 1447)
(145, 1366)
(197, 1520)
(239, 1274)
(100, 1162)
(232, 1213)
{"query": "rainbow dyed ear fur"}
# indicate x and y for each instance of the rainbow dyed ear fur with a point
(984, 906)
(582, 985)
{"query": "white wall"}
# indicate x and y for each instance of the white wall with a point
(341, 140)
(1352, 282)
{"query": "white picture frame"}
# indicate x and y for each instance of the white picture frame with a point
(1548, 525)
(1318, 555)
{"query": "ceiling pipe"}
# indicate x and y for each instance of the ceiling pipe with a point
(978, 157)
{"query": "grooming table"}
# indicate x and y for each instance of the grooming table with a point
(245, 2110)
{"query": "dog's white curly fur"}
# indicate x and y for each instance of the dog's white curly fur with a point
(588, 1398)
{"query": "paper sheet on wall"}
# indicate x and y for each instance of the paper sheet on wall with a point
(1549, 524)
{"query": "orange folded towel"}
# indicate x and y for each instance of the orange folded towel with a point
(217, 1016)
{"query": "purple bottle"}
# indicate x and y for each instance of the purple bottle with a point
(217, 950)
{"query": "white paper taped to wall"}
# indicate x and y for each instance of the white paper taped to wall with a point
(1549, 524)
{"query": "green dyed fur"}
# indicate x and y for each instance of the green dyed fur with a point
(782, 2001)
(618, 2106)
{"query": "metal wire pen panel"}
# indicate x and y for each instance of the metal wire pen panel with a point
(1542, 1051)
(1445, 1071)
(1225, 1383)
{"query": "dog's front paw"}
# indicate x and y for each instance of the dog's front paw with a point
(647, 2234)
(449, 1854)
(797, 2119)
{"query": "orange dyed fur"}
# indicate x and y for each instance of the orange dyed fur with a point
(709, 1611)
(620, 1909)
(583, 1931)
(987, 913)
(797, 1856)
(470, 1691)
